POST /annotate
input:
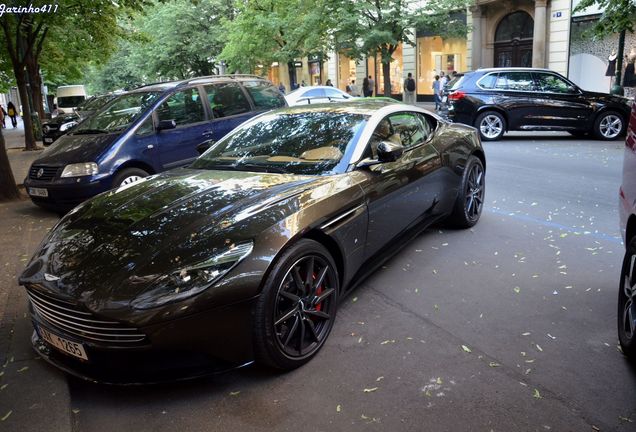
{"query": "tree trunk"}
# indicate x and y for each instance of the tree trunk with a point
(8, 189)
(29, 139)
(35, 81)
(386, 73)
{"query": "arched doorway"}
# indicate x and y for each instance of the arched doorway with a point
(513, 40)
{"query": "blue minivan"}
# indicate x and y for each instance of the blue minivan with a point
(145, 131)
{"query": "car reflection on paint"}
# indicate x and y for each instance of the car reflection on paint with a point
(246, 254)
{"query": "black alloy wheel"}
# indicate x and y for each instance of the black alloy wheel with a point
(470, 199)
(609, 126)
(491, 125)
(627, 302)
(296, 311)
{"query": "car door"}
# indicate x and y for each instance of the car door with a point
(403, 192)
(515, 95)
(178, 146)
(229, 107)
(559, 104)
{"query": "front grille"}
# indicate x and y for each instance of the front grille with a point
(47, 173)
(74, 320)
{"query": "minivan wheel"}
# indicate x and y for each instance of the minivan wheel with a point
(491, 125)
(128, 176)
(609, 125)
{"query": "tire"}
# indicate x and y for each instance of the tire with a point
(128, 176)
(470, 197)
(627, 302)
(609, 126)
(292, 319)
(491, 125)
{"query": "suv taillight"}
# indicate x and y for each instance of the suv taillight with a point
(456, 95)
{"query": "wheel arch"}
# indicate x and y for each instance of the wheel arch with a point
(135, 164)
(479, 153)
(332, 247)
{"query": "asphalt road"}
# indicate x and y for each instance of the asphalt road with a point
(509, 326)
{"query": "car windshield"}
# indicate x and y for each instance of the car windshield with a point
(94, 103)
(118, 115)
(300, 143)
(69, 101)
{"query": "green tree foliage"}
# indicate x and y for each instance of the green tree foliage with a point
(174, 39)
(378, 27)
(265, 31)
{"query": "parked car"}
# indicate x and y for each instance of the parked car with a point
(315, 95)
(246, 253)
(528, 99)
(69, 97)
(627, 211)
(91, 105)
(145, 131)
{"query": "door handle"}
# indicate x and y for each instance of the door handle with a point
(208, 133)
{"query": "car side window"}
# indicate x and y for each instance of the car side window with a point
(518, 81)
(146, 127)
(427, 125)
(488, 81)
(334, 94)
(184, 107)
(227, 99)
(409, 128)
(552, 83)
(264, 95)
(314, 93)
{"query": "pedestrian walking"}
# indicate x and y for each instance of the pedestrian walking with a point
(329, 83)
(3, 116)
(371, 86)
(12, 114)
(409, 89)
(365, 87)
(437, 93)
(443, 80)
(302, 83)
(281, 88)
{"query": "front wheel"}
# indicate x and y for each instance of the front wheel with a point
(626, 302)
(128, 176)
(296, 310)
(609, 125)
(491, 125)
(470, 198)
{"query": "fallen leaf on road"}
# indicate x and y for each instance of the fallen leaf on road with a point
(538, 347)
(235, 393)
(380, 378)
(6, 416)
(370, 390)
(493, 364)
(536, 394)
(338, 408)
(23, 369)
(517, 290)
(465, 348)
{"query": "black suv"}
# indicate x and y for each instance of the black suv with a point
(503, 99)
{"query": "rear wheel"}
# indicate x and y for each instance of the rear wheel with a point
(470, 199)
(626, 302)
(491, 125)
(296, 310)
(609, 125)
(128, 176)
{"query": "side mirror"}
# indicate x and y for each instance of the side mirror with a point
(204, 146)
(389, 151)
(166, 124)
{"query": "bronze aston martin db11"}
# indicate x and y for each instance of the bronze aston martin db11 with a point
(245, 254)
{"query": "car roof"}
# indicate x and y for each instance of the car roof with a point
(169, 85)
(500, 69)
(301, 89)
(366, 106)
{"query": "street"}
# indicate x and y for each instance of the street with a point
(508, 326)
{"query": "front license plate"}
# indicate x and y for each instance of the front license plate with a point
(39, 192)
(73, 348)
(444, 99)
(48, 140)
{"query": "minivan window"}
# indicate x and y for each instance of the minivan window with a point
(264, 95)
(118, 115)
(184, 107)
(227, 99)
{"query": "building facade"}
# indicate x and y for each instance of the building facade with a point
(502, 33)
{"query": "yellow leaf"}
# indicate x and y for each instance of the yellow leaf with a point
(370, 390)
(338, 408)
(465, 348)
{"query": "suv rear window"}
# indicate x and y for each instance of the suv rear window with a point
(488, 81)
(456, 82)
(264, 95)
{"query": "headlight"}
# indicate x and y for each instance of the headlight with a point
(67, 126)
(80, 169)
(190, 281)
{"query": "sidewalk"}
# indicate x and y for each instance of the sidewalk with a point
(33, 395)
(20, 160)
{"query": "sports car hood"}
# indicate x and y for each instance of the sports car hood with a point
(75, 149)
(114, 246)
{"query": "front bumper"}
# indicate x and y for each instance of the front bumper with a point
(202, 344)
(64, 194)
